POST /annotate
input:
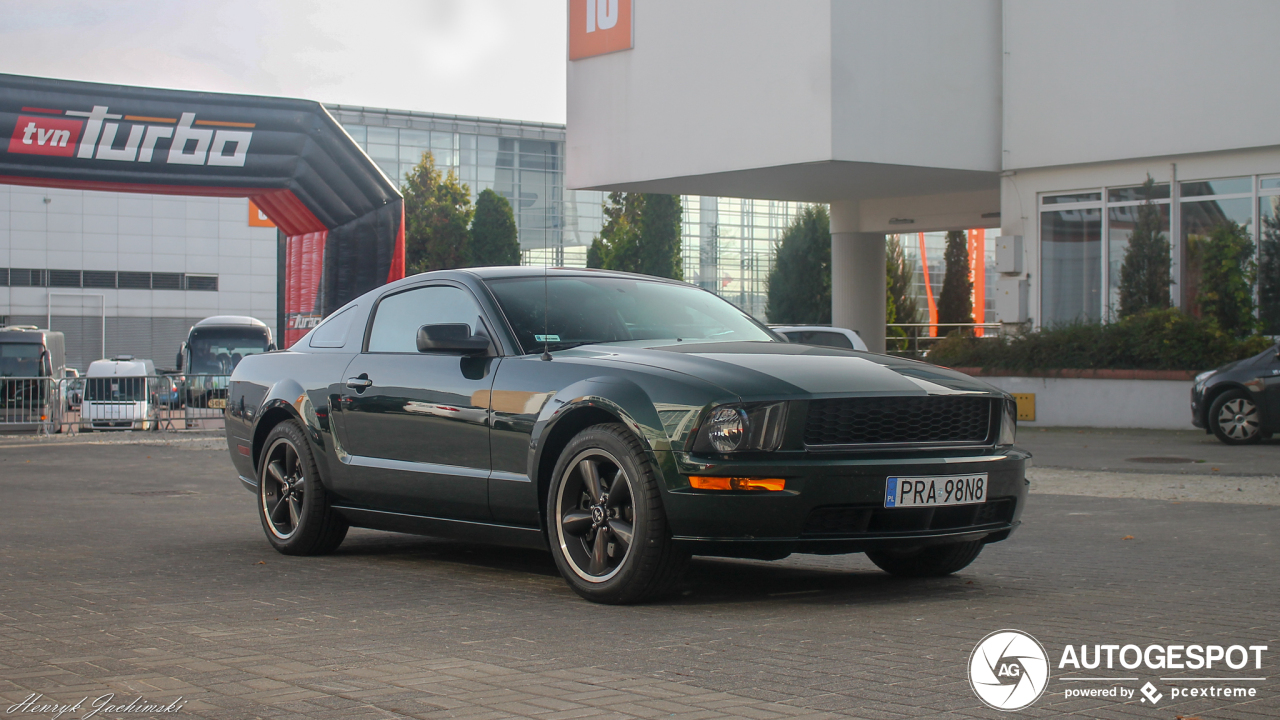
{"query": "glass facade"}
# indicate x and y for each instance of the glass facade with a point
(1084, 236)
(929, 249)
(727, 243)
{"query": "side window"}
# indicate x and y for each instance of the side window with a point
(398, 317)
(332, 333)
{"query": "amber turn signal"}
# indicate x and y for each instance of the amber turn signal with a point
(699, 482)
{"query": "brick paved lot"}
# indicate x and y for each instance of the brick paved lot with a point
(142, 570)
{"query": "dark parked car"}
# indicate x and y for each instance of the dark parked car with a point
(1240, 401)
(637, 422)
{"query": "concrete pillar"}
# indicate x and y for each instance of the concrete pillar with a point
(857, 276)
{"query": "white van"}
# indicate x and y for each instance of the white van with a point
(119, 394)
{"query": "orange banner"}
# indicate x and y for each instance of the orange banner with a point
(928, 289)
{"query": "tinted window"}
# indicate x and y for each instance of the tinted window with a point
(20, 360)
(332, 333)
(816, 337)
(586, 310)
(217, 350)
(398, 317)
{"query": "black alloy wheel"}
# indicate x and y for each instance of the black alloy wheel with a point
(1234, 418)
(609, 533)
(596, 515)
(292, 504)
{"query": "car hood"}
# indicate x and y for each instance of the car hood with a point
(775, 370)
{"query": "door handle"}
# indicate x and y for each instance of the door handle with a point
(356, 383)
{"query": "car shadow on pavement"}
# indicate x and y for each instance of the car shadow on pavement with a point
(709, 580)
(716, 581)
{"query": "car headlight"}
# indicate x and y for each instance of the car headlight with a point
(1009, 424)
(742, 428)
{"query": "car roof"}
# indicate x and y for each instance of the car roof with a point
(523, 271)
(230, 320)
(108, 368)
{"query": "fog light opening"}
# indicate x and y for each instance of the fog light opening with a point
(700, 482)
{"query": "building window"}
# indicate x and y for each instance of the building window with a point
(1074, 225)
(135, 281)
(202, 282)
(1071, 252)
(166, 281)
(99, 279)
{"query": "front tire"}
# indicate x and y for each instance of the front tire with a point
(607, 528)
(930, 561)
(292, 504)
(1234, 418)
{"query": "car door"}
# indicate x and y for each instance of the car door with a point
(413, 426)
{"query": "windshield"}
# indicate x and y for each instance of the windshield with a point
(587, 310)
(115, 389)
(217, 351)
(21, 360)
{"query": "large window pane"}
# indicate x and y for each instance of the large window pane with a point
(383, 135)
(1071, 247)
(1071, 198)
(1198, 220)
(357, 133)
(1159, 191)
(379, 151)
(1269, 264)
(1120, 224)
(1225, 186)
(421, 138)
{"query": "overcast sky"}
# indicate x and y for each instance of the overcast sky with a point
(493, 58)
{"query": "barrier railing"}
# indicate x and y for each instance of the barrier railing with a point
(917, 340)
(137, 403)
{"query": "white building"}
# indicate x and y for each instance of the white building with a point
(1034, 117)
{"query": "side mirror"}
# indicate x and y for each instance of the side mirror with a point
(271, 347)
(178, 363)
(453, 338)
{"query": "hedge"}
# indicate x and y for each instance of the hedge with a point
(1154, 340)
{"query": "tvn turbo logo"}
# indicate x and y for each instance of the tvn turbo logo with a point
(182, 140)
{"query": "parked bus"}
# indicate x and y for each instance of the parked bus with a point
(214, 347)
(119, 394)
(32, 362)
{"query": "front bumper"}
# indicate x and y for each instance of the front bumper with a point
(836, 505)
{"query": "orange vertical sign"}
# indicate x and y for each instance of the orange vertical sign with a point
(597, 27)
(978, 275)
(257, 218)
(928, 289)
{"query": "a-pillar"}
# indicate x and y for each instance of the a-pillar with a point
(857, 276)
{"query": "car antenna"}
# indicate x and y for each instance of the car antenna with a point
(546, 293)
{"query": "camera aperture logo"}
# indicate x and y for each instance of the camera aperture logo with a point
(1008, 670)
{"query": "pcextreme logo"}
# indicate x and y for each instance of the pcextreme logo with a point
(92, 135)
(597, 27)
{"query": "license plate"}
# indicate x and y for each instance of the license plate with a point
(218, 403)
(935, 490)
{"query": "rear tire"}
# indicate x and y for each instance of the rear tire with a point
(1234, 418)
(292, 504)
(931, 561)
(605, 521)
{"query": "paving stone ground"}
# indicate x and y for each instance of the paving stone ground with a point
(142, 571)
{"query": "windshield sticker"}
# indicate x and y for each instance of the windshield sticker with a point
(547, 338)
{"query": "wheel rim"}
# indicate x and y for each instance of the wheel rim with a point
(283, 489)
(595, 515)
(1238, 419)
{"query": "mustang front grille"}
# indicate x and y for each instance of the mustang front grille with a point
(912, 421)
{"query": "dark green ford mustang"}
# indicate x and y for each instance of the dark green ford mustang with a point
(637, 422)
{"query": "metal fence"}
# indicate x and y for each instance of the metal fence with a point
(918, 338)
(135, 403)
